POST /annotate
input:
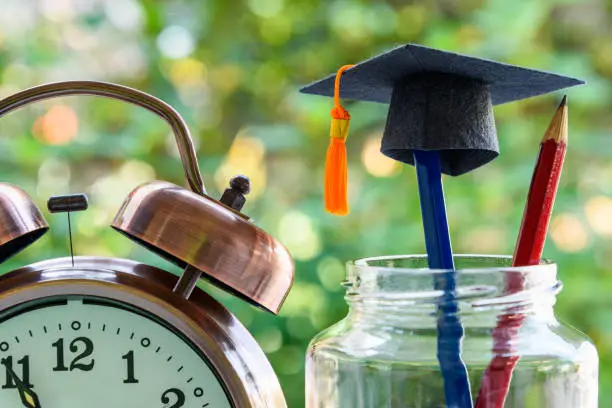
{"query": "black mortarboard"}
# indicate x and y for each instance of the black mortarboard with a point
(440, 101)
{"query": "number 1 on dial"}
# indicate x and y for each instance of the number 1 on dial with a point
(129, 358)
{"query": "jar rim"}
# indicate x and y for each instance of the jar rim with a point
(477, 280)
(503, 264)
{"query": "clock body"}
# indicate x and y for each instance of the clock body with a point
(111, 332)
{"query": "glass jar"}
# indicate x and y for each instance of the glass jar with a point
(384, 352)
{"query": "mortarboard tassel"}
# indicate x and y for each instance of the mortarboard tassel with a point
(336, 173)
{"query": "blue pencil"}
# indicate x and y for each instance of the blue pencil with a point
(440, 256)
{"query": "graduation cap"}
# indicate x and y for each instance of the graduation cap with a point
(437, 100)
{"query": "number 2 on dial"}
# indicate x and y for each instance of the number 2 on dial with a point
(176, 402)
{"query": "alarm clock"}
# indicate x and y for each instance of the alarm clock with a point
(105, 332)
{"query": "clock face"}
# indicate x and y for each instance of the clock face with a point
(75, 352)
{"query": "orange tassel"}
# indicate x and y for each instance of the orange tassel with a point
(336, 174)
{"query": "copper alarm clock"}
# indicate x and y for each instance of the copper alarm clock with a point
(104, 332)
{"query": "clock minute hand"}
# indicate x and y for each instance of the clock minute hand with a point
(28, 397)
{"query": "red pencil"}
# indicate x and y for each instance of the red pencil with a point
(528, 251)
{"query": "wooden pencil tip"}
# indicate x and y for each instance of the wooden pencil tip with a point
(557, 130)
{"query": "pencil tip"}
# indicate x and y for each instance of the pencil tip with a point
(557, 130)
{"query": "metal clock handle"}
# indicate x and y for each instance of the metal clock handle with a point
(126, 94)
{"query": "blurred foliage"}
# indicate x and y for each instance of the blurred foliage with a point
(233, 69)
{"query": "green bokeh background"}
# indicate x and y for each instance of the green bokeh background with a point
(233, 68)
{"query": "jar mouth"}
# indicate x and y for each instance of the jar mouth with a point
(480, 280)
(464, 264)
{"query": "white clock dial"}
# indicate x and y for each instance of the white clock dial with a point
(75, 352)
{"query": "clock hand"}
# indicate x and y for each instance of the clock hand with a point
(28, 397)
